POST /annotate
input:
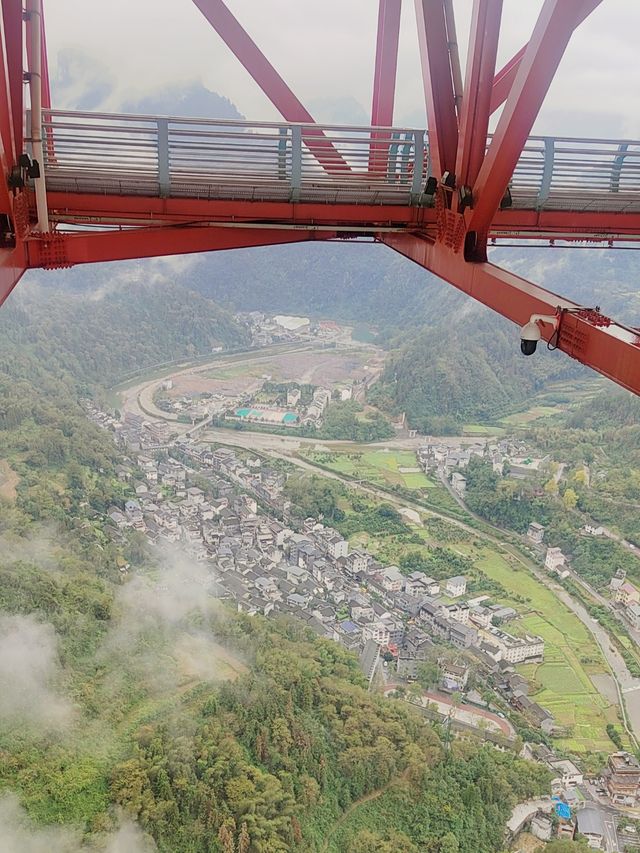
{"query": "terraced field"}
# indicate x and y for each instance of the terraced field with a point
(571, 657)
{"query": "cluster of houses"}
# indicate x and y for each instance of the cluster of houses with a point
(435, 456)
(266, 562)
(568, 811)
(137, 433)
(627, 596)
(133, 432)
(192, 408)
(266, 330)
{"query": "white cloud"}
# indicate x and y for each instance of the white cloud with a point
(19, 835)
(173, 608)
(29, 667)
(326, 51)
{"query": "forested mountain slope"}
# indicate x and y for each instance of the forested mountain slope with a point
(102, 326)
(451, 359)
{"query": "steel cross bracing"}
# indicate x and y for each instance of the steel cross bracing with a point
(112, 187)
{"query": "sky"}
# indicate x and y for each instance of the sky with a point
(324, 49)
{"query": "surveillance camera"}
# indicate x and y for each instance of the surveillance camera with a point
(530, 333)
(529, 337)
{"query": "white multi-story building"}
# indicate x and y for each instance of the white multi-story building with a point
(376, 631)
(414, 584)
(627, 594)
(337, 547)
(456, 586)
(554, 559)
(555, 562)
(392, 579)
(518, 649)
(459, 612)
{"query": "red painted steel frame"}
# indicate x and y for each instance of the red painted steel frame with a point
(384, 78)
(12, 260)
(612, 351)
(155, 242)
(438, 85)
(11, 107)
(281, 96)
(512, 222)
(112, 208)
(504, 78)
(478, 85)
(12, 47)
(551, 34)
(12, 266)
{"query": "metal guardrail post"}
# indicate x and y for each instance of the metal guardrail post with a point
(418, 167)
(296, 162)
(164, 173)
(618, 163)
(393, 153)
(547, 171)
(282, 152)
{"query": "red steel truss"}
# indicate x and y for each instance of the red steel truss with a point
(447, 224)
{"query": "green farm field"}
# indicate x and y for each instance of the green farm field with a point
(379, 467)
(571, 656)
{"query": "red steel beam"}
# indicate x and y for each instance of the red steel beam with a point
(384, 79)
(613, 351)
(12, 266)
(478, 85)
(63, 204)
(511, 222)
(551, 34)
(504, 78)
(87, 248)
(11, 113)
(439, 91)
(265, 75)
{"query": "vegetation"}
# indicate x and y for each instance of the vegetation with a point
(341, 421)
(103, 335)
(315, 497)
(601, 442)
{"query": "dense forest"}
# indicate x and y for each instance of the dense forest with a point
(104, 330)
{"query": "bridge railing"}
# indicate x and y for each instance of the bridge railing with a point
(199, 158)
(577, 174)
(178, 157)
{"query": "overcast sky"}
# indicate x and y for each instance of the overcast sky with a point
(325, 51)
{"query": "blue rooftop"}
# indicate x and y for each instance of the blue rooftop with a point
(349, 627)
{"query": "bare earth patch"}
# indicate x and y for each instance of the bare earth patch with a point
(8, 481)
